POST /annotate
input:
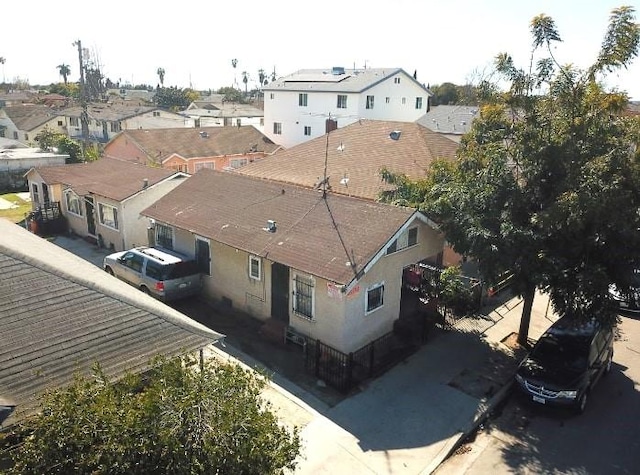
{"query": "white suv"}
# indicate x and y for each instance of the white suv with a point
(161, 273)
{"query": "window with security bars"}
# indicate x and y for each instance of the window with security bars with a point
(303, 293)
(164, 236)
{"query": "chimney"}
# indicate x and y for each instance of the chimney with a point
(145, 183)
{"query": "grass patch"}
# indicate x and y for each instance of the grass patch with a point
(19, 211)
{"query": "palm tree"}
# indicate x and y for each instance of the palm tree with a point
(261, 76)
(234, 63)
(160, 73)
(64, 71)
(245, 80)
(2, 61)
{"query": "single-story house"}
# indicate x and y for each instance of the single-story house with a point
(16, 161)
(354, 155)
(450, 121)
(102, 200)
(189, 150)
(60, 315)
(25, 122)
(325, 265)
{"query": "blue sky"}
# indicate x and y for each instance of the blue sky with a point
(194, 41)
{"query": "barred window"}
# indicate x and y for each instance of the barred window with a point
(164, 236)
(375, 297)
(303, 301)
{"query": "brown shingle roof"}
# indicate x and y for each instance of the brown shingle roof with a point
(358, 152)
(114, 179)
(333, 238)
(60, 314)
(159, 144)
(29, 117)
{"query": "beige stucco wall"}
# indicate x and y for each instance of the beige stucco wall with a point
(340, 320)
(134, 226)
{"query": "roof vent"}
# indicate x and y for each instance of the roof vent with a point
(271, 226)
(145, 183)
(337, 70)
(395, 135)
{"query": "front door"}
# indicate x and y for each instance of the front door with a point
(91, 219)
(203, 256)
(280, 292)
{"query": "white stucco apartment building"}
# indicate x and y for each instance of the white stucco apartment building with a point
(298, 107)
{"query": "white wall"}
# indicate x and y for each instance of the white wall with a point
(282, 107)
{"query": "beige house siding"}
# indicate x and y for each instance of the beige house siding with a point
(340, 319)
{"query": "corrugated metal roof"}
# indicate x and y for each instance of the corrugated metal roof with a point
(332, 238)
(61, 314)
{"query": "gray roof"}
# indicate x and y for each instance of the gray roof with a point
(60, 314)
(330, 80)
(31, 116)
(450, 120)
(110, 112)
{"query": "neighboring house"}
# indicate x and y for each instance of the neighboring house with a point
(226, 114)
(25, 122)
(327, 266)
(107, 120)
(189, 150)
(306, 104)
(16, 162)
(60, 315)
(354, 155)
(451, 121)
(16, 98)
(136, 96)
(102, 200)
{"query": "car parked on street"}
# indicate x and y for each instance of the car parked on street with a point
(627, 301)
(164, 274)
(566, 362)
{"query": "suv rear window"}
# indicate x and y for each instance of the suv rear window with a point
(179, 270)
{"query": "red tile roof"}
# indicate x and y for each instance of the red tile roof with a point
(333, 238)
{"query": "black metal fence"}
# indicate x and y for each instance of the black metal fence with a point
(344, 371)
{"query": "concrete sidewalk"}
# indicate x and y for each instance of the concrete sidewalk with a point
(411, 418)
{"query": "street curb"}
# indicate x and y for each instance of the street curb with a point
(456, 440)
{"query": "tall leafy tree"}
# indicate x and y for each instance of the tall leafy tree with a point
(64, 72)
(547, 182)
(179, 419)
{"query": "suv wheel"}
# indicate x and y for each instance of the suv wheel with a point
(109, 270)
(582, 402)
(145, 290)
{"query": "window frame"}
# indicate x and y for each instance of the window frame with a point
(408, 238)
(370, 102)
(162, 233)
(303, 99)
(71, 196)
(114, 224)
(342, 101)
(277, 128)
(253, 259)
(379, 286)
(418, 102)
(307, 131)
(300, 298)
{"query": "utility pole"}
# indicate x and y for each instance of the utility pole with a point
(84, 115)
